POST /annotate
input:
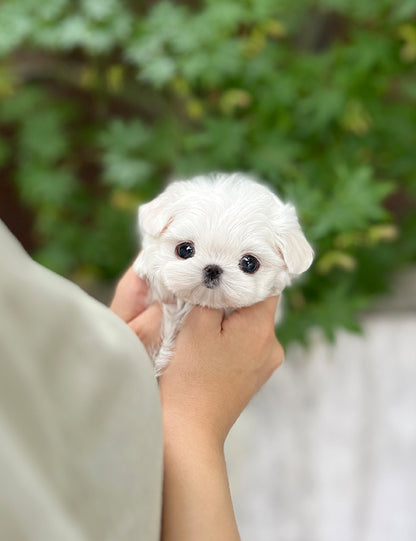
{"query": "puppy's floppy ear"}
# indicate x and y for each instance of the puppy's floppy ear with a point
(291, 242)
(155, 216)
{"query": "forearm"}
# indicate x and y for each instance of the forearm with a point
(218, 365)
(196, 500)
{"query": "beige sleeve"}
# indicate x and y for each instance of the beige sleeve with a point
(80, 416)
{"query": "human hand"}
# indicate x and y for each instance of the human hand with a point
(129, 303)
(217, 367)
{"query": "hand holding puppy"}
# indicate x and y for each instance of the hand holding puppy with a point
(217, 366)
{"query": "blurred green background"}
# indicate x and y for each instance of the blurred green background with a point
(102, 101)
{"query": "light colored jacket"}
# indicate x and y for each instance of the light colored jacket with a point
(80, 416)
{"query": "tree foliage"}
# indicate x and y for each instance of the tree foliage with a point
(101, 102)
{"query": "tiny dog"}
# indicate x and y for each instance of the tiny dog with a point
(222, 241)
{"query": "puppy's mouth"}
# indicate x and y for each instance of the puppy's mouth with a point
(211, 284)
(205, 295)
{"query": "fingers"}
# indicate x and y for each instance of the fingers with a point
(147, 326)
(212, 319)
(205, 319)
(133, 283)
(267, 307)
(255, 315)
(130, 296)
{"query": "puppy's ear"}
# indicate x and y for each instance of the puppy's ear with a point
(291, 242)
(155, 216)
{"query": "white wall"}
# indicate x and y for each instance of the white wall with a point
(327, 450)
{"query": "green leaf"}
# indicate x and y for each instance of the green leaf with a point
(125, 172)
(43, 137)
(123, 158)
(15, 25)
(158, 71)
(22, 104)
(49, 10)
(353, 203)
(40, 186)
(336, 309)
(98, 10)
(123, 137)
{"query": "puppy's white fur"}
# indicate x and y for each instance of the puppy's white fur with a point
(225, 217)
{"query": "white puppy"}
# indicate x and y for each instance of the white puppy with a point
(223, 241)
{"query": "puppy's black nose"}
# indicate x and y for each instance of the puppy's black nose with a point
(212, 275)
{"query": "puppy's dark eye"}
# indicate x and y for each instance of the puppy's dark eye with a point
(249, 264)
(185, 250)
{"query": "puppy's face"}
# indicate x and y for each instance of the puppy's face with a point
(214, 265)
(222, 242)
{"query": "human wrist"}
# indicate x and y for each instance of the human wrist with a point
(197, 499)
(187, 433)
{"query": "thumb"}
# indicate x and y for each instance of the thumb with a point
(147, 326)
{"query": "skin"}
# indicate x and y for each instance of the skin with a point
(217, 367)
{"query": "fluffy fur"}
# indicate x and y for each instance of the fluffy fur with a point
(224, 217)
